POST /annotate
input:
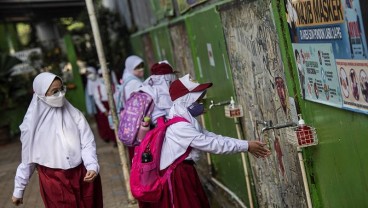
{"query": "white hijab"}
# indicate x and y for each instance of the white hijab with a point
(130, 63)
(91, 84)
(47, 133)
(173, 146)
(157, 86)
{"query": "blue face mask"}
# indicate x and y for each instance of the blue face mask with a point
(196, 109)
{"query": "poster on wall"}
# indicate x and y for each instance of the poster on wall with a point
(355, 24)
(185, 5)
(210, 54)
(317, 74)
(353, 76)
(338, 22)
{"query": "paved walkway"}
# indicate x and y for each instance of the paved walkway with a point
(114, 193)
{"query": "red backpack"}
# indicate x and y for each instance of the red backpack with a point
(145, 180)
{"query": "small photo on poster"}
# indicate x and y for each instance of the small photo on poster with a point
(344, 82)
(353, 76)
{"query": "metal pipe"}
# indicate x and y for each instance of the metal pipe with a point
(222, 186)
(278, 126)
(106, 76)
(304, 176)
(232, 194)
(226, 102)
(249, 189)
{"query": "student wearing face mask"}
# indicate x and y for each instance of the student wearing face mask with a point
(132, 79)
(92, 83)
(58, 142)
(186, 188)
(101, 100)
(157, 86)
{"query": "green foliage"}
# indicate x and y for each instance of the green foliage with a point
(6, 63)
(14, 93)
(114, 35)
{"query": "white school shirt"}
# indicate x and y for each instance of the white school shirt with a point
(67, 159)
(130, 87)
(91, 85)
(157, 86)
(53, 137)
(99, 95)
(181, 135)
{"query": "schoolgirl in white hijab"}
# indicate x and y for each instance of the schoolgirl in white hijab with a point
(157, 86)
(132, 76)
(186, 187)
(92, 83)
(55, 137)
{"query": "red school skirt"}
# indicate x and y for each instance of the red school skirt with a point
(66, 188)
(187, 189)
(104, 130)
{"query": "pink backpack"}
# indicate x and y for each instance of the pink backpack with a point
(139, 105)
(145, 180)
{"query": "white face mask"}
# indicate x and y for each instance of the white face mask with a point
(92, 77)
(54, 101)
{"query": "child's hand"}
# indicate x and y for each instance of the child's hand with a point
(90, 176)
(258, 149)
(17, 201)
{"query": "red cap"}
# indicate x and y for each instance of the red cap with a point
(184, 85)
(161, 68)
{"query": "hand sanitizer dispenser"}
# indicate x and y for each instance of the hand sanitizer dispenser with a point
(304, 133)
(233, 110)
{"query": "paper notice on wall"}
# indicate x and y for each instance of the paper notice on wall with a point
(199, 67)
(210, 54)
(353, 76)
(317, 73)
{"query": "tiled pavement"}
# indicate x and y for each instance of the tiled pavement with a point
(114, 193)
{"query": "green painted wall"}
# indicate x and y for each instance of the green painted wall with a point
(161, 41)
(137, 45)
(228, 168)
(76, 95)
(337, 167)
(138, 49)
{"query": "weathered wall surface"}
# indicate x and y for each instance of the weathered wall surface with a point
(253, 51)
(182, 55)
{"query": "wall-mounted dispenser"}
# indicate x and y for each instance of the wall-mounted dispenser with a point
(302, 135)
(233, 110)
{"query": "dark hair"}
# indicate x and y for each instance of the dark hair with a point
(296, 53)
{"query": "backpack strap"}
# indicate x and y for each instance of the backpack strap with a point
(179, 160)
(171, 169)
(151, 106)
(176, 119)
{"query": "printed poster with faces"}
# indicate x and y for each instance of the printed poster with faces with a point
(317, 73)
(353, 76)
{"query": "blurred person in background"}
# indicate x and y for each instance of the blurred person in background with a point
(103, 108)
